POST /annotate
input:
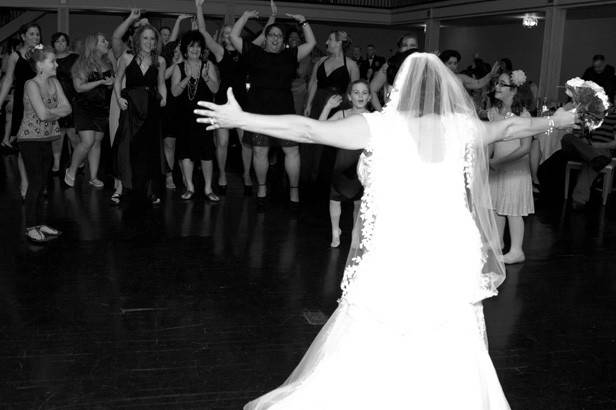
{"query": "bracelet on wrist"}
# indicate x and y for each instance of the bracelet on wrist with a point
(303, 23)
(551, 125)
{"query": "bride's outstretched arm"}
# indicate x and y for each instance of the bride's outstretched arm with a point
(349, 133)
(518, 127)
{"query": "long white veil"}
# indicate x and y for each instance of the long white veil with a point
(429, 100)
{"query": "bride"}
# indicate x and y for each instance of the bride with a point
(409, 331)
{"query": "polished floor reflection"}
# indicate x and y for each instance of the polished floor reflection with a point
(205, 307)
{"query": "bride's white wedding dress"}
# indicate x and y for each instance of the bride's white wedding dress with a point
(409, 330)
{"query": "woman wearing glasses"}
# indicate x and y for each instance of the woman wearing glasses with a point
(271, 71)
(510, 177)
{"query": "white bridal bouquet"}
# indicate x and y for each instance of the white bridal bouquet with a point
(590, 100)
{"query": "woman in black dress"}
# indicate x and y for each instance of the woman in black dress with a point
(18, 72)
(137, 146)
(234, 74)
(65, 59)
(92, 79)
(193, 80)
(330, 76)
(272, 70)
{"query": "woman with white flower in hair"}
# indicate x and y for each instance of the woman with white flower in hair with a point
(510, 177)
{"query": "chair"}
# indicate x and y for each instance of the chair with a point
(608, 177)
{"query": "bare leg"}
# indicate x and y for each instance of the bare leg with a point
(56, 148)
(187, 168)
(292, 166)
(73, 139)
(335, 209)
(94, 156)
(169, 151)
(355, 234)
(516, 231)
(86, 141)
(207, 167)
(221, 139)
(23, 176)
(261, 164)
(246, 159)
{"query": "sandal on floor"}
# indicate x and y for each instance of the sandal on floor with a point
(96, 183)
(115, 198)
(187, 195)
(49, 231)
(68, 180)
(212, 197)
(34, 234)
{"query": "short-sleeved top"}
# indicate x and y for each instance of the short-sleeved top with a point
(32, 128)
(270, 70)
(65, 76)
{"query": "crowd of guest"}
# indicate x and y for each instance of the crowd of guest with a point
(136, 92)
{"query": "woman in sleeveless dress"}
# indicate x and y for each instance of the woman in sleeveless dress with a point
(172, 55)
(271, 70)
(331, 75)
(121, 45)
(137, 146)
(510, 180)
(93, 78)
(233, 73)
(345, 186)
(193, 80)
(44, 103)
(18, 72)
(409, 330)
(65, 59)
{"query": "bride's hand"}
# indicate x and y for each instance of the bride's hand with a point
(220, 116)
(564, 119)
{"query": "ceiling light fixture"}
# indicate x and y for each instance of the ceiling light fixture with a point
(530, 21)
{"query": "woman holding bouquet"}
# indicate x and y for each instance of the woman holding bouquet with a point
(409, 331)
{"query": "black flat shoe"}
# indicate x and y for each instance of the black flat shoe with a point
(247, 190)
(222, 189)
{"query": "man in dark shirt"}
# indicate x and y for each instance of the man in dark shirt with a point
(602, 74)
(594, 153)
(372, 63)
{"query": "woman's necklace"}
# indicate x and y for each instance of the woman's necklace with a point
(193, 85)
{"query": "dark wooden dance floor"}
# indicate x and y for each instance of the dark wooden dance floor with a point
(207, 306)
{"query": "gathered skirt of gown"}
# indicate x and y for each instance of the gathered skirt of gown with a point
(403, 336)
(357, 362)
